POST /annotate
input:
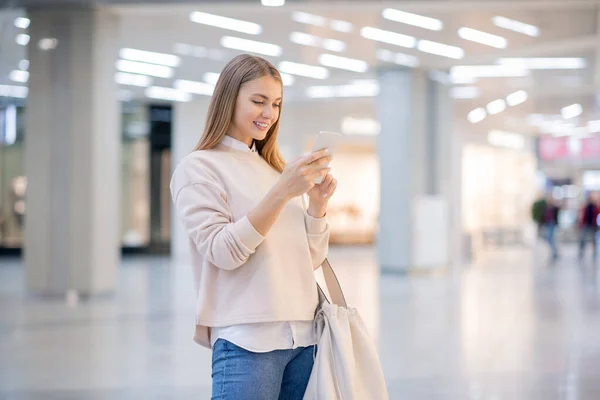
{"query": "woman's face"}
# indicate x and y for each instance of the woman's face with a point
(256, 109)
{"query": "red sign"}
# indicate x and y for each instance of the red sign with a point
(590, 147)
(553, 148)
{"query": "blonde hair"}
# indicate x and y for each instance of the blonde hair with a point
(239, 70)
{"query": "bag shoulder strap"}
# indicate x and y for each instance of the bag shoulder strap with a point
(333, 284)
(331, 280)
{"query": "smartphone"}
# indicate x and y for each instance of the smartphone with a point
(326, 140)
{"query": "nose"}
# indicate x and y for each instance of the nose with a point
(267, 112)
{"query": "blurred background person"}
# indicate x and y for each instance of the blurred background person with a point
(550, 223)
(588, 224)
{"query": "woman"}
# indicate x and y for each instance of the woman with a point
(254, 246)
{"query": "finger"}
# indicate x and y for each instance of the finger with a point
(316, 155)
(318, 173)
(327, 181)
(332, 188)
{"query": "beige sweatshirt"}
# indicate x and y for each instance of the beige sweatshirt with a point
(240, 276)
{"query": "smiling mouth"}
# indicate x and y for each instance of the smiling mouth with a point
(261, 125)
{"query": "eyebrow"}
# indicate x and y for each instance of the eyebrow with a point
(264, 97)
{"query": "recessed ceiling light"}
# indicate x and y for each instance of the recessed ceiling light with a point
(166, 93)
(496, 106)
(545, 63)
(571, 111)
(413, 19)
(440, 49)
(341, 26)
(151, 57)
(334, 45)
(14, 91)
(201, 88)
(309, 19)
(384, 36)
(24, 65)
(273, 3)
(309, 71)
(482, 37)
(18, 75)
(135, 67)
(22, 39)
(124, 78)
(516, 26)
(225, 23)
(477, 115)
(22, 22)
(251, 46)
(350, 64)
(516, 98)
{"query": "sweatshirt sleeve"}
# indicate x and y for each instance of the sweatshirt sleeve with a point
(317, 231)
(203, 209)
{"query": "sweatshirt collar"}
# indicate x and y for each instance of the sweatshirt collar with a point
(236, 144)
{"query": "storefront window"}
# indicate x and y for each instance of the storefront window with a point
(12, 176)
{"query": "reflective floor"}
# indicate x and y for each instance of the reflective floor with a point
(511, 326)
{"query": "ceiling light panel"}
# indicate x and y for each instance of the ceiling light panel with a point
(350, 64)
(201, 88)
(334, 45)
(516, 26)
(272, 3)
(252, 46)
(482, 37)
(516, 98)
(477, 115)
(309, 19)
(572, 111)
(135, 67)
(389, 37)
(169, 94)
(225, 23)
(341, 26)
(466, 72)
(18, 75)
(496, 106)
(412, 19)
(22, 39)
(151, 57)
(545, 63)
(309, 71)
(440, 49)
(123, 78)
(14, 91)
(305, 39)
(22, 22)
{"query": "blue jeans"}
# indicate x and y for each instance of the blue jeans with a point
(239, 374)
(549, 236)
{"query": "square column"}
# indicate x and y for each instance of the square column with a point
(72, 152)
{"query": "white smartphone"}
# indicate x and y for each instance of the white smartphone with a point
(326, 140)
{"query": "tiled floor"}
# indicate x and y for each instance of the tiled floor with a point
(509, 327)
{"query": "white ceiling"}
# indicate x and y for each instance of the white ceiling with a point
(568, 28)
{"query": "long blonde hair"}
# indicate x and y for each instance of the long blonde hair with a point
(239, 70)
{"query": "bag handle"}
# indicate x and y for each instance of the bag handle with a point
(333, 284)
(331, 280)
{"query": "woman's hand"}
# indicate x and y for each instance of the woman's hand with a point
(297, 177)
(319, 196)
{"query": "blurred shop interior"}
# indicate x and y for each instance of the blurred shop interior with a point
(527, 125)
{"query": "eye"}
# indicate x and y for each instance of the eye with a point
(257, 102)
(277, 105)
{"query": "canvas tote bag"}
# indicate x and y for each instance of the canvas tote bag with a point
(346, 364)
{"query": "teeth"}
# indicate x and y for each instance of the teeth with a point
(262, 125)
